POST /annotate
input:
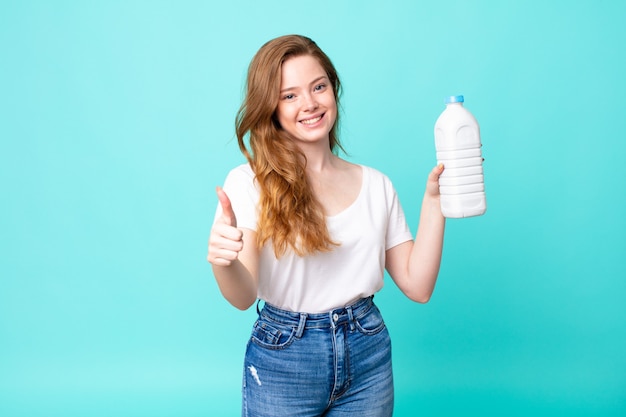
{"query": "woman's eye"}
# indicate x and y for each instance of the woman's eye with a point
(320, 87)
(288, 97)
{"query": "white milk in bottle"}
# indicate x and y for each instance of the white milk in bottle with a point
(457, 140)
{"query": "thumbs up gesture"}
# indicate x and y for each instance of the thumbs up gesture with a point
(226, 241)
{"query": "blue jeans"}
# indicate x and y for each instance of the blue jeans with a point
(329, 364)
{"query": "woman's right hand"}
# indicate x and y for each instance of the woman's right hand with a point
(226, 241)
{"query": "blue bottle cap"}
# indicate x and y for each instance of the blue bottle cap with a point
(453, 99)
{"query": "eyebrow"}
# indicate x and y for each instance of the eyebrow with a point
(312, 82)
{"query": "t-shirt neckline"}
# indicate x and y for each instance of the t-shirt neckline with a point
(364, 178)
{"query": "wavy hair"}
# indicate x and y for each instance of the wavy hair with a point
(289, 214)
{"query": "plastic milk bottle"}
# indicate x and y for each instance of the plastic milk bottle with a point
(457, 140)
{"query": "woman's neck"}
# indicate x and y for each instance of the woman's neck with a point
(319, 159)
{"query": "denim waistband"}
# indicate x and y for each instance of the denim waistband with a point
(330, 319)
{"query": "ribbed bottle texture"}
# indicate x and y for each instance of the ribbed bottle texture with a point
(457, 140)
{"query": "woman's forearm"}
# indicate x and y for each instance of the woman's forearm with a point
(425, 259)
(236, 284)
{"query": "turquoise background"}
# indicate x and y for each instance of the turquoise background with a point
(117, 122)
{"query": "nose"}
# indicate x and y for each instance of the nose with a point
(310, 103)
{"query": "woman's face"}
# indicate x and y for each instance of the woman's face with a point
(306, 108)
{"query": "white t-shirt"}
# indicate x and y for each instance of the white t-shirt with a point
(373, 223)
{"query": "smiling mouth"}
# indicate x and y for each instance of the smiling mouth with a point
(312, 121)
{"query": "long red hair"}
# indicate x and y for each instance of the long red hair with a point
(289, 214)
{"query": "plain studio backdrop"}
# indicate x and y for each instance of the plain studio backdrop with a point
(117, 123)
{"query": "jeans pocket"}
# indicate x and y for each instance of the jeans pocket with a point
(371, 322)
(272, 335)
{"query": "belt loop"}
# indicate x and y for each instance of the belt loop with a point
(301, 324)
(257, 306)
(350, 318)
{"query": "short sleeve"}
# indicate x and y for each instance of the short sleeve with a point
(397, 229)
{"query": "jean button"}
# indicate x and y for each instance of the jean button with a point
(335, 317)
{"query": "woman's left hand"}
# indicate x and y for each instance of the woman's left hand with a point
(432, 185)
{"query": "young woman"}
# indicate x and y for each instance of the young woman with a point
(311, 234)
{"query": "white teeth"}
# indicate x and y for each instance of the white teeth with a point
(311, 121)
